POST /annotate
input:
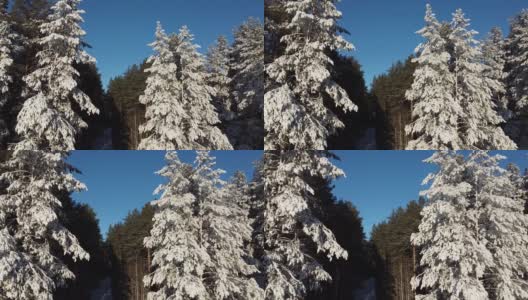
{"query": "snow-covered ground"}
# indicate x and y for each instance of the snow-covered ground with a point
(104, 291)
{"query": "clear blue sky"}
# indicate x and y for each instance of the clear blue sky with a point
(377, 182)
(120, 30)
(119, 181)
(383, 31)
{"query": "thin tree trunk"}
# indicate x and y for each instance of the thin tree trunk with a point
(401, 279)
(137, 285)
(148, 260)
(414, 265)
(135, 131)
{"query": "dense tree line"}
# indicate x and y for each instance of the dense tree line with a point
(472, 237)
(130, 260)
(128, 112)
(83, 115)
(230, 86)
(496, 63)
(396, 258)
(130, 240)
(394, 114)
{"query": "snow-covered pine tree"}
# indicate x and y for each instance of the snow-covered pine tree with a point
(238, 189)
(179, 110)
(31, 235)
(435, 112)
(289, 226)
(517, 61)
(517, 78)
(479, 127)
(247, 64)
(218, 67)
(300, 79)
(229, 240)
(494, 58)
(47, 120)
(6, 62)
(454, 254)
(164, 115)
(198, 236)
(503, 224)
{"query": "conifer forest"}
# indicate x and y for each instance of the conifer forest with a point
(229, 150)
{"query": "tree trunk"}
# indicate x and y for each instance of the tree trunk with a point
(401, 279)
(414, 265)
(135, 130)
(148, 260)
(137, 285)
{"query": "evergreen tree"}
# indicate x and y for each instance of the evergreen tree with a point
(198, 236)
(218, 67)
(502, 225)
(130, 259)
(299, 80)
(473, 233)
(162, 129)
(239, 189)
(454, 255)
(7, 37)
(180, 114)
(81, 221)
(31, 11)
(494, 57)
(289, 227)
(479, 125)
(248, 85)
(435, 112)
(31, 228)
(47, 120)
(394, 111)
(127, 112)
(395, 257)
(517, 61)
(517, 78)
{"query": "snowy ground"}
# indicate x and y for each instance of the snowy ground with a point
(104, 291)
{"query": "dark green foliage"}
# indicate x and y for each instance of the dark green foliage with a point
(80, 220)
(388, 91)
(396, 257)
(90, 83)
(348, 74)
(130, 260)
(127, 112)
